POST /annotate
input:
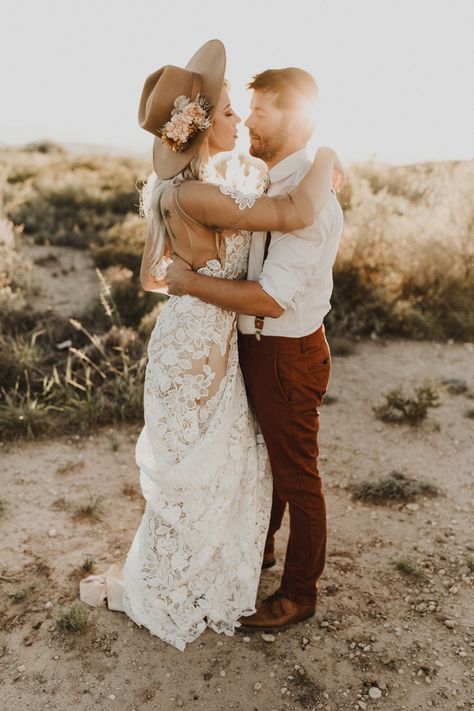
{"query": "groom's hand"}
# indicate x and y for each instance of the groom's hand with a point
(177, 276)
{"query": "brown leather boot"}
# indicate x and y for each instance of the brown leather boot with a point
(268, 560)
(276, 613)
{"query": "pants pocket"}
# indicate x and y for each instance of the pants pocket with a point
(283, 377)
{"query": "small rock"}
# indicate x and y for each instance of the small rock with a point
(362, 705)
(305, 641)
(246, 639)
(412, 507)
(257, 686)
(324, 623)
(222, 672)
(112, 697)
(48, 605)
(21, 668)
(268, 637)
(449, 624)
(283, 690)
(52, 532)
(374, 692)
(439, 664)
(179, 701)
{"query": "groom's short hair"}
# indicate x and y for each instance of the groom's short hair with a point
(296, 91)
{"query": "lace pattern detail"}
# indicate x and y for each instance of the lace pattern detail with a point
(196, 557)
(243, 200)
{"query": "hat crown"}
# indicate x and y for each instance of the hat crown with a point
(160, 91)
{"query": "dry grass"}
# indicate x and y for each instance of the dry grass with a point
(91, 510)
(73, 619)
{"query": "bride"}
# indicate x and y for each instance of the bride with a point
(196, 557)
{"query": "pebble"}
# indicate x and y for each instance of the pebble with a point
(112, 697)
(257, 686)
(362, 705)
(179, 701)
(268, 637)
(21, 668)
(324, 623)
(305, 640)
(52, 532)
(439, 664)
(412, 507)
(283, 690)
(222, 672)
(48, 605)
(246, 639)
(374, 692)
(449, 624)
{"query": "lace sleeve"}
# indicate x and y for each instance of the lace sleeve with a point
(223, 207)
(243, 200)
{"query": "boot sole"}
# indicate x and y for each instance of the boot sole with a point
(281, 628)
(268, 564)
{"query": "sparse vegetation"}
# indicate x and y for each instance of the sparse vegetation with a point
(73, 619)
(88, 565)
(410, 569)
(21, 595)
(411, 410)
(455, 386)
(386, 280)
(342, 346)
(93, 509)
(394, 487)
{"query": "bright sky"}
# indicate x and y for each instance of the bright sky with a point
(395, 76)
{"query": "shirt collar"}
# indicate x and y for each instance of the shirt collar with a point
(288, 165)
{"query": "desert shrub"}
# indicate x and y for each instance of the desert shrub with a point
(67, 199)
(410, 569)
(455, 386)
(406, 262)
(122, 244)
(45, 146)
(394, 487)
(402, 409)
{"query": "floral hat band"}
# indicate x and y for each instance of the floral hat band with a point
(187, 118)
(177, 105)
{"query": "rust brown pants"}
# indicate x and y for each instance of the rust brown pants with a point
(286, 379)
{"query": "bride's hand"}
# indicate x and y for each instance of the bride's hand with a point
(338, 176)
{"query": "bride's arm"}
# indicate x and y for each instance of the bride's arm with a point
(208, 205)
(148, 280)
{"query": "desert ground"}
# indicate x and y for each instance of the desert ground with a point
(394, 624)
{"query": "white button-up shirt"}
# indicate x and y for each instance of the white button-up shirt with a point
(297, 272)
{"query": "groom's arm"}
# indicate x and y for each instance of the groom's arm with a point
(243, 297)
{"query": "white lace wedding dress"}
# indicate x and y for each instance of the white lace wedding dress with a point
(196, 557)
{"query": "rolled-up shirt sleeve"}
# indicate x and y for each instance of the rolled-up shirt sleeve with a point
(289, 265)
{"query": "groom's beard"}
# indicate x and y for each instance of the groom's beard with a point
(267, 147)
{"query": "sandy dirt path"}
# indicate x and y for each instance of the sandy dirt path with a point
(409, 638)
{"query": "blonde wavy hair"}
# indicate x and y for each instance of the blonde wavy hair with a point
(150, 199)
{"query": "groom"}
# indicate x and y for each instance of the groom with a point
(284, 355)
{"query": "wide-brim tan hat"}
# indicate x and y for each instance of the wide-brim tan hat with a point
(204, 75)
